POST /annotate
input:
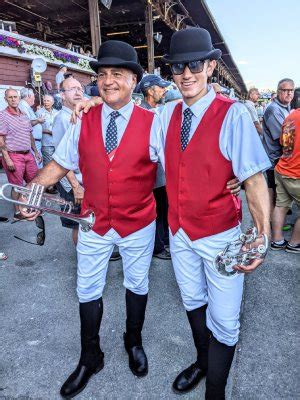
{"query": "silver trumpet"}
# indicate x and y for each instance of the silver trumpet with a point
(234, 255)
(34, 198)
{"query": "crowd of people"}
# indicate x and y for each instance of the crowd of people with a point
(163, 180)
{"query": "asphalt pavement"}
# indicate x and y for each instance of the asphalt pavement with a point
(39, 325)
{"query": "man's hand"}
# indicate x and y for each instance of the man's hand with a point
(84, 106)
(41, 119)
(234, 185)
(38, 157)
(26, 211)
(10, 165)
(255, 263)
(78, 194)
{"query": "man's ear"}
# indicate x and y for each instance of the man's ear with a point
(210, 67)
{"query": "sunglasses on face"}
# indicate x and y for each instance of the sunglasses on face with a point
(41, 236)
(194, 66)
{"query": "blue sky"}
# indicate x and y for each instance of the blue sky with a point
(263, 37)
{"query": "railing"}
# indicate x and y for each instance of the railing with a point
(15, 45)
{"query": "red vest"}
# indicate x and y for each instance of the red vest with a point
(120, 192)
(199, 202)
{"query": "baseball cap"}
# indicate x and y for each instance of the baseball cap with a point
(152, 80)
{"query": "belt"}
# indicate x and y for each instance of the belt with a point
(20, 152)
(38, 140)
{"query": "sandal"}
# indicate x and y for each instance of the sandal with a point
(3, 256)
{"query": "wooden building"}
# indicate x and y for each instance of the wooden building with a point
(84, 24)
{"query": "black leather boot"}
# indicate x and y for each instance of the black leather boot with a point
(189, 378)
(91, 359)
(220, 358)
(135, 308)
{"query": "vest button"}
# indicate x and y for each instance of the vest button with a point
(110, 170)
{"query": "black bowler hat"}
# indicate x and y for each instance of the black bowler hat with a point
(115, 53)
(191, 44)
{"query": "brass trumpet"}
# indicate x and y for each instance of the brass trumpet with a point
(34, 198)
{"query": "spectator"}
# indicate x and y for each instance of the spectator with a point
(70, 187)
(48, 148)
(26, 104)
(92, 84)
(253, 96)
(287, 179)
(273, 119)
(16, 141)
(153, 88)
(60, 76)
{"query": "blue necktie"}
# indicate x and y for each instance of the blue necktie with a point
(111, 138)
(186, 127)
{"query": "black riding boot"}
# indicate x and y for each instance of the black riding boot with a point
(220, 358)
(135, 308)
(91, 358)
(189, 378)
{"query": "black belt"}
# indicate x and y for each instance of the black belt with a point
(38, 140)
(19, 151)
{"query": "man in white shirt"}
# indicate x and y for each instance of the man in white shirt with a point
(208, 139)
(253, 96)
(70, 187)
(26, 104)
(117, 146)
(48, 113)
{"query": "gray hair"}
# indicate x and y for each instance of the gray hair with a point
(49, 95)
(285, 80)
(25, 92)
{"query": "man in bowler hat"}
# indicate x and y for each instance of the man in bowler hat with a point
(116, 146)
(208, 139)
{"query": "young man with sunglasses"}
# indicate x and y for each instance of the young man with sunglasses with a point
(208, 140)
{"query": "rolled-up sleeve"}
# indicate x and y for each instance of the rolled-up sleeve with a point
(66, 153)
(240, 143)
(156, 143)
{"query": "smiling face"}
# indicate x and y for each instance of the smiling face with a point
(194, 86)
(116, 86)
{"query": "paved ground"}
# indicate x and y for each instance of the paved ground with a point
(39, 326)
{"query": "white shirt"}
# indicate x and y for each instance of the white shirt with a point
(239, 141)
(61, 124)
(47, 139)
(66, 153)
(37, 130)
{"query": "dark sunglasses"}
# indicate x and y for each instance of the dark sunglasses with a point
(41, 236)
(194, 66)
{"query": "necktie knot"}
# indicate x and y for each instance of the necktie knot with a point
(188, 113)
(114, 115)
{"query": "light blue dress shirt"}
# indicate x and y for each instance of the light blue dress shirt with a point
(66, 153)
(239, 141)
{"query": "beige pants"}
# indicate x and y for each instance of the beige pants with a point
(287, 190)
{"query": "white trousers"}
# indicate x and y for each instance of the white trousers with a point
(94, 251)
(200, 283)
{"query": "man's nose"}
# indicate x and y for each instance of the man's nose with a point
(187, 73)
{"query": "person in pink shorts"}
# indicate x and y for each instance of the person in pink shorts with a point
(16, 142)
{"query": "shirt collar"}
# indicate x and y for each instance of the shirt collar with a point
(67, 109)
(201, 104)
(125, 111)
(287, 106)
(11, 111)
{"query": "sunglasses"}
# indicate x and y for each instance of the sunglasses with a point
(194, 66)
(41, 236)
